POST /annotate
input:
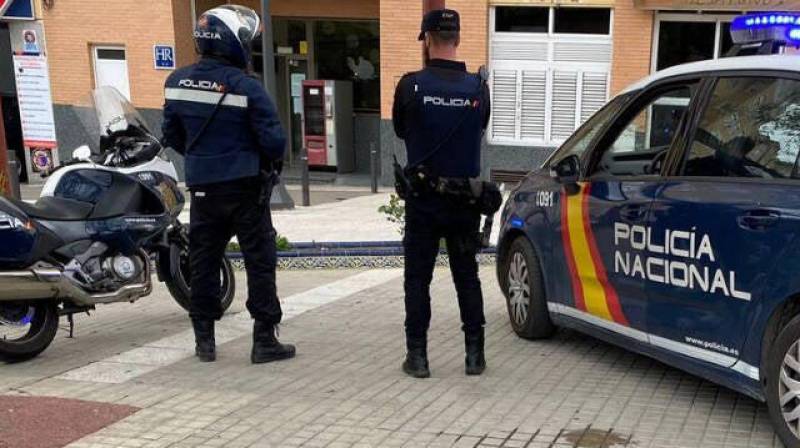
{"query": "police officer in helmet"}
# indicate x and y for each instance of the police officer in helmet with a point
(441, 112)
(227, 128)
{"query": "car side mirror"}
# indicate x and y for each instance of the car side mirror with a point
(82, 153)
(567, 170)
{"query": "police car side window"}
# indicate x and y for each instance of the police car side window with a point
(750, 128)
(580, 140)
(640, 146)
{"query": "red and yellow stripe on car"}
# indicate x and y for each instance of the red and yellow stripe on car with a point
(590, 286)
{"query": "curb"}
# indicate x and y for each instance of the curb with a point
(352, 255)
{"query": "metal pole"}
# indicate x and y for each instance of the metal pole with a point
(305, 178)
(373, 166)
(5, 169)
(280, 196)
(268, 50)
(13, 176)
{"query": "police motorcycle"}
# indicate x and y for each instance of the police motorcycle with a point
(104, 222)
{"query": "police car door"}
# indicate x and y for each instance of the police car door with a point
(624, 174)
(725, 217)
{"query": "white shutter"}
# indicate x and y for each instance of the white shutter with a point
(594, 93)
(504, 104)
(533, 105)
(510, 50)
(544, 85)
(582, 52)
(563, 104)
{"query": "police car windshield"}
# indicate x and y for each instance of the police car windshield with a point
(104, 112)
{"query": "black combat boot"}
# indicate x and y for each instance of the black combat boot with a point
(266, 347)
(205, 345)
(475, 360)
(416, 363)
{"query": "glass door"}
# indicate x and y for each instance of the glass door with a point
(683, 38)
(296, 73)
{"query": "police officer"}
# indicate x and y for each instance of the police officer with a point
(227, 128)
(441, 113)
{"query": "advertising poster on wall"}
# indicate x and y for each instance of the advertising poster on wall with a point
(35, 100)
(36, 112)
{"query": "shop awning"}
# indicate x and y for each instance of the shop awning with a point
(17, 10)
(718, 5)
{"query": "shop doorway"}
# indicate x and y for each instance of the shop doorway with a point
(9, 105)
(682, 38)
(292, 71)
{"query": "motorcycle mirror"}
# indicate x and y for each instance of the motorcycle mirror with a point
(83, 153)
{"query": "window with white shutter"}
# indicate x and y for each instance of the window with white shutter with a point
(504, 104)
(546, 80)
(533, 101)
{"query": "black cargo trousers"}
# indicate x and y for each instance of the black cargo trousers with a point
(216, 216)
(428, 221)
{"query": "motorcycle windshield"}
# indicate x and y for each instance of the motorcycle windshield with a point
(105, 112)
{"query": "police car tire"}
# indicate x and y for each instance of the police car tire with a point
(538, 324)
(788, 335)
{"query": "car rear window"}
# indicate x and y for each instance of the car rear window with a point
(750, 128)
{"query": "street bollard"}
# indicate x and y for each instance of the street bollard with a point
(305, 180)
(373, 166)
(13, 178)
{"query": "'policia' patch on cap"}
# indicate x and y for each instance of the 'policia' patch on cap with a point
(440, 20)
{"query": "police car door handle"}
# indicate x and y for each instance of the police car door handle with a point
(633, 212)
(759, 219)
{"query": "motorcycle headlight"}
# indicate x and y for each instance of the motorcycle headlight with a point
(10, 222)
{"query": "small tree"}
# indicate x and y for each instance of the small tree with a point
(395, 212)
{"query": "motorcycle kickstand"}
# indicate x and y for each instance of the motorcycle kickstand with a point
(71, 320)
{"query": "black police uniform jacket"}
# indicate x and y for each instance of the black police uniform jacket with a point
(244, 132)
(443, 106)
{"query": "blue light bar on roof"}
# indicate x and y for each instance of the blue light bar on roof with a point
(777, 26)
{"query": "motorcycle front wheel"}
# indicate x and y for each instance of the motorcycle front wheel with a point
(179, 280)
(26, 329)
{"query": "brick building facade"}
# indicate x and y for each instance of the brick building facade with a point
(552, 63)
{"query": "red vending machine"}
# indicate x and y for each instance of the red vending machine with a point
(328, 124)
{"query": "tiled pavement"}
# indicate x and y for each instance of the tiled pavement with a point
(345, 387)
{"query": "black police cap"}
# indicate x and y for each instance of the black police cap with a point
(440, 20)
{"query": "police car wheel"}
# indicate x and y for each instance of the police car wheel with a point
(523, 287)
(783, 383)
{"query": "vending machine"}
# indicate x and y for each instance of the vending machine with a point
(328, 125)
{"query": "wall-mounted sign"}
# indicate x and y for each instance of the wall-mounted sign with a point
(164, 57)
(719, 5)
(17, 10)
(36, 113)
(27, 38)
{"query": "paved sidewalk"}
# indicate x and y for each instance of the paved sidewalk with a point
(337, 214)
(345, 387)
